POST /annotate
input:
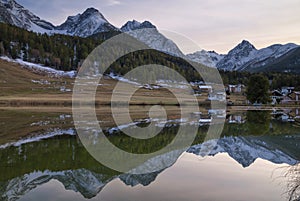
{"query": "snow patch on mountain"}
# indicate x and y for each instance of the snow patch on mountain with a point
(207, 58)
(148, 34)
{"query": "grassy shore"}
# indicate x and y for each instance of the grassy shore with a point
(21, 87)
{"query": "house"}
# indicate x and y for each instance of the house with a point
(287, 90)
(217, 96)
(276, 97)
(234, 88)
(205, 88)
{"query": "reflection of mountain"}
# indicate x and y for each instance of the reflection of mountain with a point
(62, 158)
(89, 184)
(136, 179)
(86, 182)
(245, 150)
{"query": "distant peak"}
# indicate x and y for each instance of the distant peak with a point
(245, 45)
(148, 24)
(91, 10)
(245, 42)
(134, 25)
(134, 21)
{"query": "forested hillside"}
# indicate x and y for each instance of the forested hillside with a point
(58, 51)
(66, 53)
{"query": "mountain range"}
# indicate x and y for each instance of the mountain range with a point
(243, 57)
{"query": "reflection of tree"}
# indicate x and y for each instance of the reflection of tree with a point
(293, 175)
(258, 122)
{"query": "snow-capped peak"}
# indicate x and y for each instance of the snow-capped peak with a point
(133, 25)
(13, 13)
(245, 44)
(238, 56)
(147, 33)
(90, 22)
(243, 49)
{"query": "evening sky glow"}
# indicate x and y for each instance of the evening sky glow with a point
(214, 25)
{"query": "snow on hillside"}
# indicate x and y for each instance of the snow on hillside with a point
(41, 68)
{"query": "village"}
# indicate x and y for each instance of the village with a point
(235, 95)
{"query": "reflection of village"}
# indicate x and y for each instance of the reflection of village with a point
(236, 95)
(207, 118)
(281, 115)
(286, 115)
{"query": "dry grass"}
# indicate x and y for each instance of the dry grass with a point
(17, 89)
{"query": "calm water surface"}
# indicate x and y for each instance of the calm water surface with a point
(256, 158)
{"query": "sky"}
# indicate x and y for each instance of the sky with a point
(212, 24)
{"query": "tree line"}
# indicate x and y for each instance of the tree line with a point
(57, 51)
(66, 53)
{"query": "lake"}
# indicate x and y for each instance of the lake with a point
(256, 157)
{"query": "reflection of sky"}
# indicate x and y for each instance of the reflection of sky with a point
(214, 178)
(215, 25)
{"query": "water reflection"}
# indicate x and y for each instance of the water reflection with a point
(248, 136)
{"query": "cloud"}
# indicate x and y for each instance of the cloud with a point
(113, 3)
